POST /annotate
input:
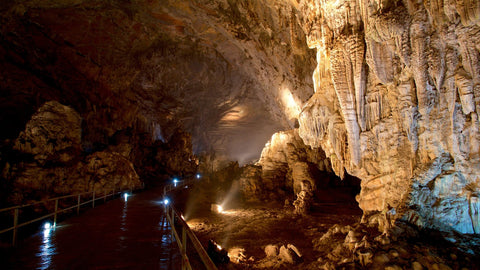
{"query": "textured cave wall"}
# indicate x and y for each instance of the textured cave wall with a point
(397, 97)
(284, 164)
(229, 72)
(150, 81)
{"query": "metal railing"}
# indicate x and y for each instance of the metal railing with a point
(91, 195)
(176, 219)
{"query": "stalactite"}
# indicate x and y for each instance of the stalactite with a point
(469, 11)
(474, 212)
(436, 61)
(380, 61)
(373, 109)
(465, 90)
(408, 112)
(405, 53)
(436, 9)
(421, 102)
(345, 93)
(338, 137)
(470, 54)
(425, 92)
(355, 46)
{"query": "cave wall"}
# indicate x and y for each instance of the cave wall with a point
(229, 72)
(151, 81)
(396, 103)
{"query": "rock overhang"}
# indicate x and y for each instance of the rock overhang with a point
(166, 64)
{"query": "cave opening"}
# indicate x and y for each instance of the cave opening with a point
(336, 190)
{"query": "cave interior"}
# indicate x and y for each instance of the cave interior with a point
(364, 110)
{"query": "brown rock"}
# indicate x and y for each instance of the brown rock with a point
(251, 183)
(417, 266)
(287, 162)
(53, 134)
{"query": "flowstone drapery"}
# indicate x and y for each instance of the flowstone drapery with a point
(405, 81)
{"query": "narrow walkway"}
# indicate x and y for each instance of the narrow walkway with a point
(117, 235)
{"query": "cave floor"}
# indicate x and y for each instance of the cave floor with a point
(245, 232)
(246, 229)
(115, 235)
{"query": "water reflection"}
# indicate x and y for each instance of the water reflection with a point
(47, 250)
(122, 237)
(124, 217)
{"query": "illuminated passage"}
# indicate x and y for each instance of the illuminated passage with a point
(126, 233)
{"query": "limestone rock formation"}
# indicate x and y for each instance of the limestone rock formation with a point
(104, 171)
(53, 138)
(217, 69)
(251, 183)
(53, 134)
(285, 164)
(101, 171)
(394, 99)
(396, 104)
(176, 156)
(304, 198)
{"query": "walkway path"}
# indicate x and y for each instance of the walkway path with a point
(117, 235)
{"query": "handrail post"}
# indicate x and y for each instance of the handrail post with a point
(78, 205)
(55, 215)
(15, 222)
(184, 248)
(172, 218)
(93, 200)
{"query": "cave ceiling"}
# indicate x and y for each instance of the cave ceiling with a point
(230, 72)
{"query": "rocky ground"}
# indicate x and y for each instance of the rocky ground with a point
(269, 235)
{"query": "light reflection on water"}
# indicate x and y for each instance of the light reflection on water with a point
(122, 237)
(47, 250)
(124, 217)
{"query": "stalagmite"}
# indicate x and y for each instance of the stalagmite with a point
(304, 199)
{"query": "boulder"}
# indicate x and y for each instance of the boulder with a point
(286, 162)
(53, 138)
(53, 134)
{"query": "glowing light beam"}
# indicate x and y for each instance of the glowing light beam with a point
(292, 107)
